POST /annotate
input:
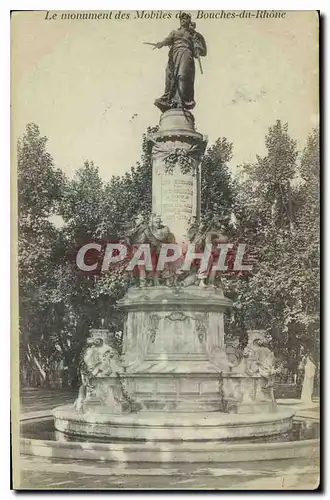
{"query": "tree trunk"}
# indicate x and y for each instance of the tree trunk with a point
(308, 383)
(36, 366)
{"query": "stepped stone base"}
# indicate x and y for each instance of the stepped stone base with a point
(174, 426)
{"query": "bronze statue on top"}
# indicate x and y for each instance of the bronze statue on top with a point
(185, 45)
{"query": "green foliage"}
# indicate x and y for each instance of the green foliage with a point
(82, 204)
(39, 191)
(218, 190)
(279, 219)
(39, 182)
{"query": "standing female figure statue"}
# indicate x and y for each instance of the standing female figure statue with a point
(185, 45)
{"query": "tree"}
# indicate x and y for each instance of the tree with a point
(75, 309)
(278, 217)
(218, 190)
(263, 217)
(39, 192)
(82, 204)
(306, 255)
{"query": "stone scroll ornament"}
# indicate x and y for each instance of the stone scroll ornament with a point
(101, 359)
(154, 323)
(199, 319)
(177, 316)
(201, 327)
(186, 156)
(233, 351)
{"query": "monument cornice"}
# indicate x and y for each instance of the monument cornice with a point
(165, 135)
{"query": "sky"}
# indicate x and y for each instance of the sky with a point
(90, 84)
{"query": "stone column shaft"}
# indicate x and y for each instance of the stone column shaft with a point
(177, 150)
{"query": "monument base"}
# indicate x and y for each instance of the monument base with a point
(174, 349)
(175, 358)
(175, 426)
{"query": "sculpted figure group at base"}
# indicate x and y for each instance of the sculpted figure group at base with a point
(253, 369)
(153, 232)
(202, 234)
(101, 359)
(260, 360)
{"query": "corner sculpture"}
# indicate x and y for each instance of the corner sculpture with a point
(101, 361)
(259, 358)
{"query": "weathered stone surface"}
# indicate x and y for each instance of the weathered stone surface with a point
(174, 338)
(100, 366)
(176, 154)
(172, 426)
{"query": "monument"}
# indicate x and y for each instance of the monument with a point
(174, 380)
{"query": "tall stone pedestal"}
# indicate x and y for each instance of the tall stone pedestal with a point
(174, 347)
(174, 337)
(177, 150)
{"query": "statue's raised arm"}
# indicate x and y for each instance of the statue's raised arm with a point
(185, 44)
